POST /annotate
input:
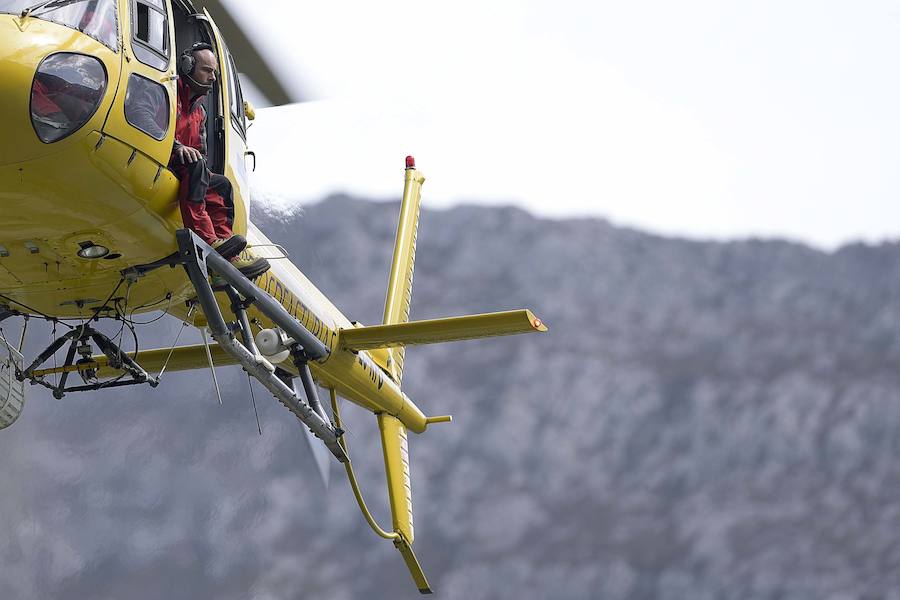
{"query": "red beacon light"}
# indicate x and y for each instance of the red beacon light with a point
(410, 162)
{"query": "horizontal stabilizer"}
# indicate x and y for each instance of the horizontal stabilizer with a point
(184, 358)
(434, 331)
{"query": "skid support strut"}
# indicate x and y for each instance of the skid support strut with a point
(77, 337)
(198, 259)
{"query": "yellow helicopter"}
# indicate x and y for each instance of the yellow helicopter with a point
(91, 230)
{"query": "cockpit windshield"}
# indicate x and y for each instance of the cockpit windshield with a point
(96, 18)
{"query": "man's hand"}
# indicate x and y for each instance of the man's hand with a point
(186, 154)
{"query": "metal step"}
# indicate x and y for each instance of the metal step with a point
(198, 259)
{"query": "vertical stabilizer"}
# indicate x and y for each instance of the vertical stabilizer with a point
(396, 305)
(396, 466)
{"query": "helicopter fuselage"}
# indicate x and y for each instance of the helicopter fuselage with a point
(107, 184)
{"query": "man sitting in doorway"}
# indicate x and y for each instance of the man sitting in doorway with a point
(205, 198)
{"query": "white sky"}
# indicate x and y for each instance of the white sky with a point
(698, 118)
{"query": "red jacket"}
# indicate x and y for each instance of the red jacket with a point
(190, 120)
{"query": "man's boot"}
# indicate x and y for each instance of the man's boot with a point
(230, 247)
(251, 266)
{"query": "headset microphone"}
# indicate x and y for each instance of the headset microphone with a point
(204, 86)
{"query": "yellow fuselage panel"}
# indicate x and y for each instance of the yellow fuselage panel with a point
(23, 45)
(105, 193)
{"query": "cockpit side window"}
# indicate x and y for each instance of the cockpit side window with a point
(147, 106)
(96, 18)
(150, 33)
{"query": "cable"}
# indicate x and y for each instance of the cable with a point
(151, 321)
(62, 321)
(134, 358)
(22, 336)
(175, 343)
(34, 310)
(96, 310)
(352, 477)
(154, 320)
(120, 306)
(108, 298)
(136, 348)
(168, 297)
(253, 400)
(121, 313)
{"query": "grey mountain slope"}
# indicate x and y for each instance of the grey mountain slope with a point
(704, 420)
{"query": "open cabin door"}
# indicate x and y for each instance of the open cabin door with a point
(233, 130)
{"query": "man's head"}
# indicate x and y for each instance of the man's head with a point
(204, 72)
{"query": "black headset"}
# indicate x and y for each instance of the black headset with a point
(187, 63)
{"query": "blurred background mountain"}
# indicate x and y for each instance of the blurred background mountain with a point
(703, 421)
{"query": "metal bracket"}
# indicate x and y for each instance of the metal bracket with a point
(117, 359)
(309, 387)
(197, 257)
(171, 260)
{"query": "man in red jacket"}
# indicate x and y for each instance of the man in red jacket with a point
(205, 198)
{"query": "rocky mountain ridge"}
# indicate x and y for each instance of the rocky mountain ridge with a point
(704, 420)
